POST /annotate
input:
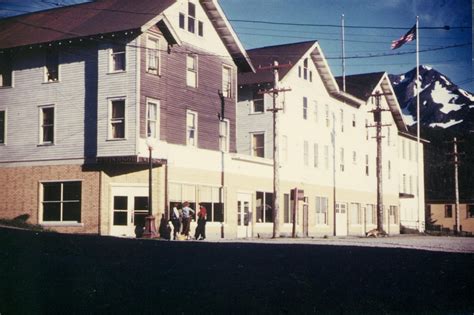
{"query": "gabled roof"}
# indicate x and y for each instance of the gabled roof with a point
(86, 19)
(364, 85)
(264, 56)
(110, 16)
(291, 54)
(361, 85)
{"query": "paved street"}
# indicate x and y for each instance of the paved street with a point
(431, 243)
(48, 273)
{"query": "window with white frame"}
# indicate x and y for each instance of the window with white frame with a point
(5, 69)
(284, 149)
(47, 120)
(191, 70)
(191, 17)
(264, 206)
(316, 155)
(388, 136)
(403, 148)
(117, 58)
(210, 199)
(389, 172)
(152, 119)
(315, 111)
(321, 210)
(341, 157)
(326, 157)
(305, 68)
(355, 213)
(117, 118)
(354, 120)
(305, 153)
(52, 65)
(258, 144)
(326, 108)
(299, 71)
(200, 28)
(341, 113)
(258, 102)
(354, 157)
(61, 202)
(153, 55)
(182, 20)
(191, 128)
(305, 107)
(404, 183)
(410, 184)
(226, 81)
(366, 165)
(3, 127)
(366, 130)
(409, 150)
(224, 135)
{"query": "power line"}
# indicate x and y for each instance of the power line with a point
(446, 27)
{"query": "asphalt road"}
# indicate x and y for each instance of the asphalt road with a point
(48, 273)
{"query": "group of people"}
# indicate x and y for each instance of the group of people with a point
(181, 220)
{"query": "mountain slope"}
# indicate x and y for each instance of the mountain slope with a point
(442, 103)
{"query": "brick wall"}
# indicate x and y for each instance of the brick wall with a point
(19, 193)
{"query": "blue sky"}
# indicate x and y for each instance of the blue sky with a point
(455, 63)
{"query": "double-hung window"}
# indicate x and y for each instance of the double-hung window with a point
(46, 124)
(316, 155)
(61, 202)
(305, 153)
(191, 17)
(117, 58)
(191, 128)
(226, 81)
(153, 55)
(305, 107)
(152, 119)
(5, 69)
(52, 65)
(117, 119)
(258, 144)
(3, 126)
(341, 156)
(258, 102)
(191, 70)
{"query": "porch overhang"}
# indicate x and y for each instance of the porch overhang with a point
(129, 160)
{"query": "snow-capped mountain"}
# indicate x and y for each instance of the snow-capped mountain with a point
(442, 103)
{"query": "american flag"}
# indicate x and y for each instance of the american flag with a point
(408, 37)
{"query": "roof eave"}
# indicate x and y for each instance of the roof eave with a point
(229, 37)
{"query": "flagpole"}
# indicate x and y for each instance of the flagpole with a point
(418, 120)
(343, 56)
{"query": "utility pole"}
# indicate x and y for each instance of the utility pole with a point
(456, 162)
(378, 127)
(276, 160)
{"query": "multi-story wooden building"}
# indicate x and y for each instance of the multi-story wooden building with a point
(88, 89)
(327, 147)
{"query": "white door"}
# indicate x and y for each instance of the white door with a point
(129, 207)
(244, 215)
(341, 219)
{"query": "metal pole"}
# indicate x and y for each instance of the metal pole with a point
(456, 183)
(418, 123)
(276, 160)
(343, 56)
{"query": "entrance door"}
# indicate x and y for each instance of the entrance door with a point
(341, 219)
(129, 207)
(244, 215)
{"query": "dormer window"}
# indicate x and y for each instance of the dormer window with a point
(52, 65)
(5, 69)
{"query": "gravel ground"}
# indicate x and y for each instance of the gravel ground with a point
(430, 243)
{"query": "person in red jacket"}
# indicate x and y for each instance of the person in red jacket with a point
(201, 223)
